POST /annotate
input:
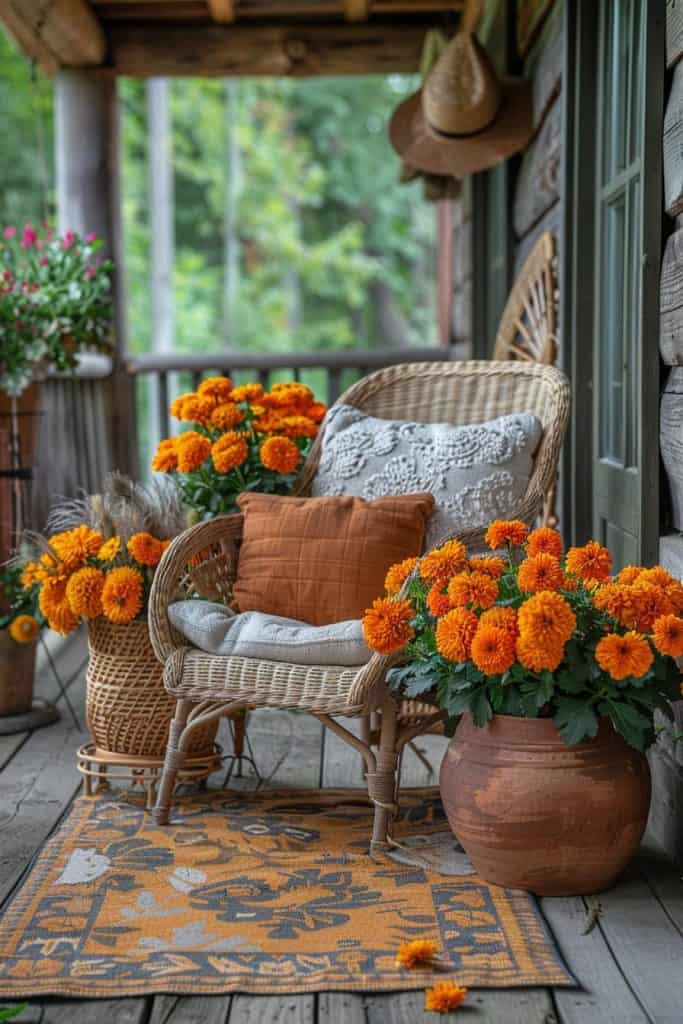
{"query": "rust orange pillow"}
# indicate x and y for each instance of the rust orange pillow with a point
(323, 560)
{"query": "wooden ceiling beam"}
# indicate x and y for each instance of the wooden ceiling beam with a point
(62, 33)
(222, 10)
(321, 48)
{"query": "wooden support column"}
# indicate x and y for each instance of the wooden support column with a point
(88, 199)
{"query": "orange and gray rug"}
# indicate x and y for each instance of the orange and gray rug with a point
(264, 893)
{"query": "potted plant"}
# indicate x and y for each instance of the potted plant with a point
(238, 439)
(552, 669)
(97, 567)
(20, 625)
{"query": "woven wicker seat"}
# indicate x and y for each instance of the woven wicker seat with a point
(203, 561)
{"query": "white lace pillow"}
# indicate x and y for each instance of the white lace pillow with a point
(476, 473)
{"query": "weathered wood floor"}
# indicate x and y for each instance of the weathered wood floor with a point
(629, 965)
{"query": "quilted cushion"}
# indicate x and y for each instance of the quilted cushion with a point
(476, 473)
(218, 630)
(323, 560)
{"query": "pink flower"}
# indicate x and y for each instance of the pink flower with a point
(10, 232)
(19, 324)
(43, 261)
(28, 237)
(69, 239)
(90, 272)
(6, 275)
(91, 236)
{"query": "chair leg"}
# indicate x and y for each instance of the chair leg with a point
(365, 728)
(175, 756)
(382, 782)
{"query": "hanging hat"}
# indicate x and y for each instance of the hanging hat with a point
(465, 118)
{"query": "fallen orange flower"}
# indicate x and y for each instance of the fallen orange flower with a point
(445, 997)
(416, 953)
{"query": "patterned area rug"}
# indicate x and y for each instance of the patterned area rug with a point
(261, 893)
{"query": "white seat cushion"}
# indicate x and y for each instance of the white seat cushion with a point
(215, 629)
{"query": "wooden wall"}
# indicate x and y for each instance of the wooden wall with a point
(537, 198)
(666, 758)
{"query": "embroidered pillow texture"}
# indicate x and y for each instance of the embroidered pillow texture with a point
(476, 473)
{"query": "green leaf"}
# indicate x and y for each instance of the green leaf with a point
(575, 720)
(627, 720)
(480, 708)
(8, 1012)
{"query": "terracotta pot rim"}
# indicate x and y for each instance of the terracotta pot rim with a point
(520, 731)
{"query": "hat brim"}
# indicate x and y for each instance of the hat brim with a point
(418, 146)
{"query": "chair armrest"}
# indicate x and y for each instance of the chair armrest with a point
(207, 550)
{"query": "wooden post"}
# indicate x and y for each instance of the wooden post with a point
(88, 199)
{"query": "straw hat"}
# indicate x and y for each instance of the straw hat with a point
(465, 118)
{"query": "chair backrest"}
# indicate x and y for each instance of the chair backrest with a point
(468, 392)
(528, 326)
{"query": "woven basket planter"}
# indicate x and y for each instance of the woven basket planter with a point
(127, 707)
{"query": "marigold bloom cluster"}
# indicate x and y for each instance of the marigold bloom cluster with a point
(416, 953)
(257, 439)
(386, 624)
(445, 997)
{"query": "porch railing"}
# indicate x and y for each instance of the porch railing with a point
(329, 373)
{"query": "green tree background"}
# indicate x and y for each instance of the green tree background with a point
(332, 252)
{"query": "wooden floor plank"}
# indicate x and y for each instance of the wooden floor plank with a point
(82, 1011)
(511, 1006)
(190, 1010)
(604, 996)
(9, 746)
(664, 880)
(297, 1009)
(286, 749)
(646, 945)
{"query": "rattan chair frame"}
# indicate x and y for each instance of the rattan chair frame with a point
(203, 561)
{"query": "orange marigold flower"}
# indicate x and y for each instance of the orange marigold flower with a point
(540, 572)
(31, 575)
(398, 574)
(166, 457)
(440, 564)
(84, 592)
(592, 562)
(656, 575)
(145, 548)
(316, 412)
(493, 650)
(667, 635)
(73, 547)
(386, 624)
(444, 997)
(545, 541)
(502, 618)
(193, 450)
(538, 657)
(476, 588)
(247, 393)
(569, 583)
(289, 393)
(176, 405)
(416, 953)
(493, 565)
(24, 629)
(229, 451)
(299, 426)
(622, 656)
(674, 591)
(280, 454)
(506, 531)
(226, 416)
(438, 603)
(109, 550)
(54, 605)
(455, 632)
(650, 602)
(629, 574)
(546, 619)
(122, 595)
(617, 601)
(217, 388)
(196, 409)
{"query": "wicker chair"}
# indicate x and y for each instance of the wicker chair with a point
(203, 560)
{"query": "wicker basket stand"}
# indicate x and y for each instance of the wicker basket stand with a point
(129, 712)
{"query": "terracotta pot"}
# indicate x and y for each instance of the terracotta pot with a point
(535, 814)
(17, 666)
